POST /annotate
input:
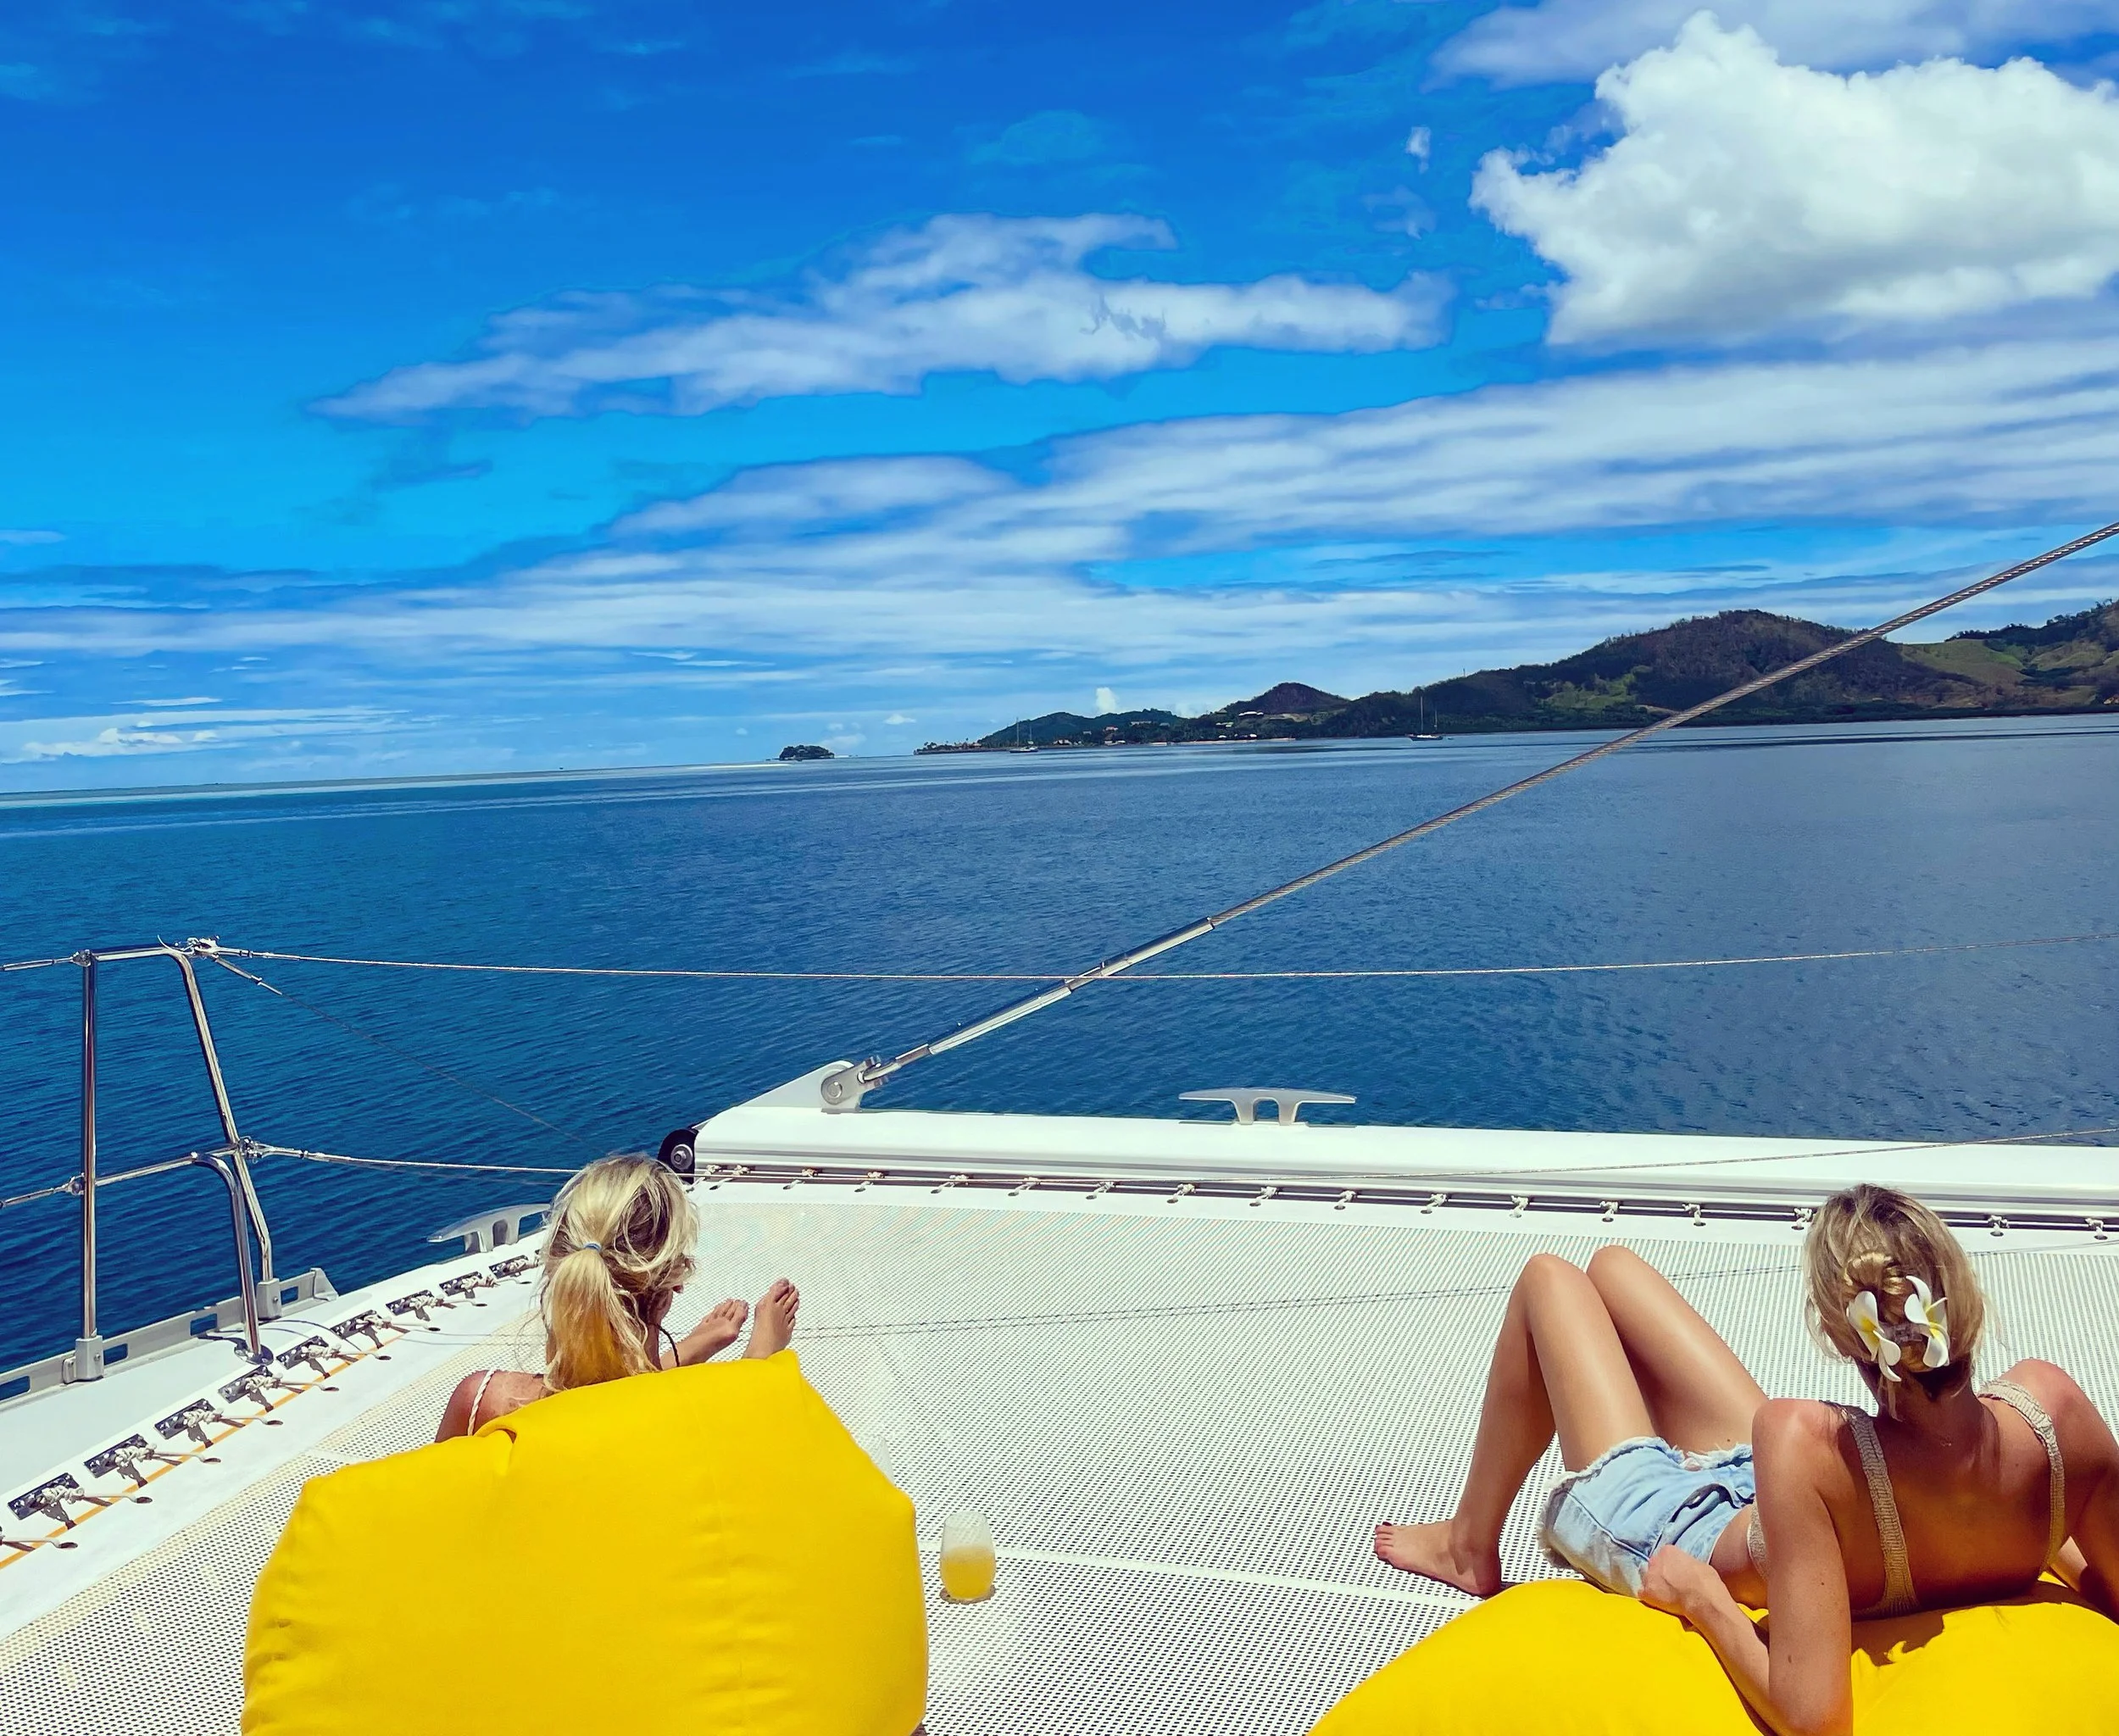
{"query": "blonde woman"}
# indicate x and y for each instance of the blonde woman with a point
(1690, 1489)
(619, 1252)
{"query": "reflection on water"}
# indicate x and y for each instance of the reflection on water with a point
(1712, 843)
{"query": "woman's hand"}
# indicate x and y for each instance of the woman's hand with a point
(1682, 1585)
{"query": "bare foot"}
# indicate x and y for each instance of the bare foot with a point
(773, 1323)
(1428, 1551)
(718, 1328)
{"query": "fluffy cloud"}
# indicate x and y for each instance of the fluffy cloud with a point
(1578, 39)
(1281, 531)
(976, 293)
(1745, 194)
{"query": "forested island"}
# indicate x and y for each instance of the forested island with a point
(2069, 664)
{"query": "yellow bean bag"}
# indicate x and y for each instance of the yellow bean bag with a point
(1560, 1658)
(701, 1551)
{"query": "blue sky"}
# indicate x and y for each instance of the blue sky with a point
(426, 386)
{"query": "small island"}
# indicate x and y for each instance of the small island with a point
(807, 750)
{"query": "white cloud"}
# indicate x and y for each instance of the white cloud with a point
(1007, 296)
(1420, 144)
(900, 718)
(104, 739)
(1283, 546)
(1746, 194)
(1577, 39)
(1106, 700)
(114, 739)
(29, 539)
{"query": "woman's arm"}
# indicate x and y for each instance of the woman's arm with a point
(2093, 1456)
(456, 1415)
(1797, 1681)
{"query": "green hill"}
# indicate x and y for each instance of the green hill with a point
(2070, 665)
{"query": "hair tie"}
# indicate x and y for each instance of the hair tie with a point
(589, 1247)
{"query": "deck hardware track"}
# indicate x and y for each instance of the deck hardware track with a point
(191, 1421)
(417, 1303)
(312, 1351)
(122, 1458)
(370, 1326)
(50, 1498)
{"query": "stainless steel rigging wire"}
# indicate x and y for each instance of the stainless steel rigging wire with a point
(390, 1048)
(843, 1087)
(222, 953)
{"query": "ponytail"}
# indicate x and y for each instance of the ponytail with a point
(618, 1250)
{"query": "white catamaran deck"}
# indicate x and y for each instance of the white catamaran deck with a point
(1184, 1373)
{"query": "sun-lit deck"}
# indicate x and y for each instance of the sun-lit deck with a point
(1183, 1366)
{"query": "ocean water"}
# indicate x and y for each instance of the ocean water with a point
(1710, 843)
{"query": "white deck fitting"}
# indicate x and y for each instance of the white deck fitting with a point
(1181, 1416)
(787, 1128)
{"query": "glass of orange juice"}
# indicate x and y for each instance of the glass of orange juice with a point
(967, 1557)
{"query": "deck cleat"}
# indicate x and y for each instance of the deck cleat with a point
(124, 1459)
(417, 1303)
(50, 1500)
(311, 1351)
(465, 1285)
(255, 1386)
(191, 1421)
(512, 1267)
(370, 1326)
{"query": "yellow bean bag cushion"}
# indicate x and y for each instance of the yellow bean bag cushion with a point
(1560, 1658)
(701, 1551)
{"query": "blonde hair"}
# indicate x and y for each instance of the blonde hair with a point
(620, 1249)
(1879, 1240)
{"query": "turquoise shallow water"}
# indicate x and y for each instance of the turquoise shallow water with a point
(1714, 843)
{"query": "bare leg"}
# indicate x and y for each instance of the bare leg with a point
(1558, 1365)
(1701, 1397)
(772, 1321)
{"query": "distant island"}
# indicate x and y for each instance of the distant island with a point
(807, 750)
(2070, 665)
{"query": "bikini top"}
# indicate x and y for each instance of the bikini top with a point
(1898, 1597)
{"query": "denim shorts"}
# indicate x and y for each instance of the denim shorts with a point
(1606, 1519)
